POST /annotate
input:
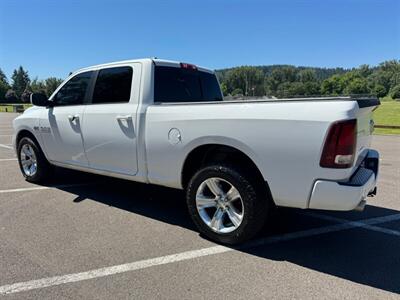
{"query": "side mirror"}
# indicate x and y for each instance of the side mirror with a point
(40, 100)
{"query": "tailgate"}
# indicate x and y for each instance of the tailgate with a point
(365, 126)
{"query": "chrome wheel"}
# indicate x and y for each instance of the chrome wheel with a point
(219, 205)
(28, 160)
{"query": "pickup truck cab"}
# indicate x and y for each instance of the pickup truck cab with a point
(164, 122)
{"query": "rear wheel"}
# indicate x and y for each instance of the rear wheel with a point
(226, 205)
(32, 162)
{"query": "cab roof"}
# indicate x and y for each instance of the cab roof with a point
(156, 61)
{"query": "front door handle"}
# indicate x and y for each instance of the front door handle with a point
(73, 118)
(126, 117)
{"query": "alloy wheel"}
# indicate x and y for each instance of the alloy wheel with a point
(219, 205)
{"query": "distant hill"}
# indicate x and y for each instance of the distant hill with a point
(289, 81)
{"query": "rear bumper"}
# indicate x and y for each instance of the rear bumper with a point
(332, 195)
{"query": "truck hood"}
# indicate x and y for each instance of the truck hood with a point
(31, 109)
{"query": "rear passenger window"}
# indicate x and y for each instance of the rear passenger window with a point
(173, 84)
(211, 89)
(113, 85)
(176, 85)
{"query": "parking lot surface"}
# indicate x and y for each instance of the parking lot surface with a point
(91, 237)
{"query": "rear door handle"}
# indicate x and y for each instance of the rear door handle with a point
(126, 117)
(73, 118)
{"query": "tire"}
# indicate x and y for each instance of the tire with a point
(43, 168)
(255, 204)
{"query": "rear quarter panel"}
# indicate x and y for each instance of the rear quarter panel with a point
(284, 140)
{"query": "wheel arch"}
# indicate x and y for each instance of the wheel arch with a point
(213, 152)
(24, 133)
(27, 133)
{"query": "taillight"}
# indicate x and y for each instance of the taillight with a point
(340, 145)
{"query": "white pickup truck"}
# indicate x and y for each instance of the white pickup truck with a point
(163, 122)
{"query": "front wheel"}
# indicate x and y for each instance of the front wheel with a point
(32, 162)
(226, 205)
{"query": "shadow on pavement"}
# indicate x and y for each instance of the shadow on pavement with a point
(359, 255)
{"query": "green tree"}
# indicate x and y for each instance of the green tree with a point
(307, 75)
(236, 92)
(312, 88)
(20, 80)
(296, 89)
(357, 86)
(379, 90)
(284, 90)
(387, 74)
(224, 89)
(51, 84)
(378, 80)
(3, 77)
(395, 79)
(392, 66)
(4, 86)
(38, 86)
(333, 85)
(287, 74)
(282, 75)
(249, 79)
(395, 92)
(364, 71)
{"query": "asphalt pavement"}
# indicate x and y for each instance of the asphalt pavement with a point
(84, 236)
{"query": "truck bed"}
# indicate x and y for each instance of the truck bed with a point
(361, 101)
(282, 136)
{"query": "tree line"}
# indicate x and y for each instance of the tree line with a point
(279, 81)
(290, 81)
(21, 86)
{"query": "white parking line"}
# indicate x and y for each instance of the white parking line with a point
(362, 223)
(163, 260)
(5, 146)
(7, 159)
(37, 188)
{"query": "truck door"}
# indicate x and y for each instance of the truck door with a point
(109, 124)
(61, 125)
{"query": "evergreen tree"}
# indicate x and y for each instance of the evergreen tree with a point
(20, 80)
(4, 86)
(3, 77)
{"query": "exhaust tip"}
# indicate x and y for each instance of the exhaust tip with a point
(360, 206)
(372, 193)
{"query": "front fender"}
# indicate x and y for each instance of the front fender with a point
(28, 122)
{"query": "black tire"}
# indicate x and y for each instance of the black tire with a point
(44, 169)
(255, 200)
